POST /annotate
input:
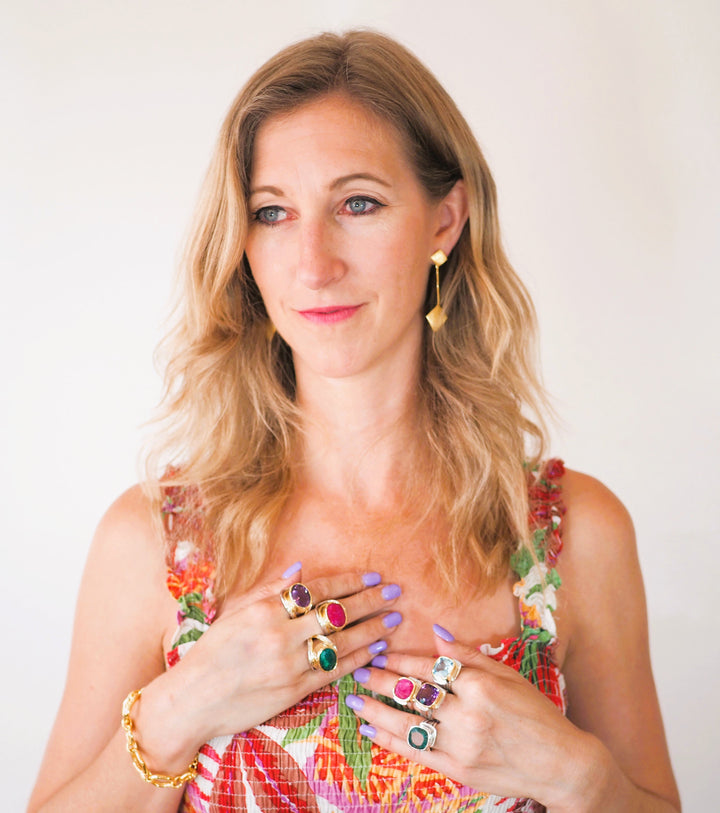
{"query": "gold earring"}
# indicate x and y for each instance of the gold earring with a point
(270, 330)
(437, 316)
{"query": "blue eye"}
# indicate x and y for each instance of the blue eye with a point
(270, 215)
(361, 206)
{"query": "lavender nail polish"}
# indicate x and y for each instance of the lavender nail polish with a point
(368, 731)
(371, 579)
(352, 701)
(392, 620)
(379, 662)
(362, 675)
(292, 570)
(441, 632)
(391, 591)
(377, 647)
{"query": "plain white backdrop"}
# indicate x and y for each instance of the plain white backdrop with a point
(601, 121)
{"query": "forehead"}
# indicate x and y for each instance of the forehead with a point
(330, 131)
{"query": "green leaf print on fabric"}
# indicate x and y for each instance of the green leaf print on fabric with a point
(304, 732)
(186, 637)
(190, 606)
(356, 749)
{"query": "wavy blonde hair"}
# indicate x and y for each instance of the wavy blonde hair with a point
(229, 413)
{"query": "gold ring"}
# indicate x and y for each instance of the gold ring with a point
(405, 690)
(422, 736)
(429, 697)
(296, 600)
(331, 616)
(322, 653)
(445, 671)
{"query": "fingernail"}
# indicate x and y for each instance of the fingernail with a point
(352, 701)
(368, 731)
(371, 579)
(380, 661)
(392, 620)
(377, 647)
(441, 632)
(362, 675)
(292, 570)
(391, 591)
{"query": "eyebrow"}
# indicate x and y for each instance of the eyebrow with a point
(336, 184)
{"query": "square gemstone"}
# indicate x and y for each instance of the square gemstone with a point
(418, 738)
(443, 668)
(427, 694)
(403, 689)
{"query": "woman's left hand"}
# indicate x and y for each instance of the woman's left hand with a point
(495, 731)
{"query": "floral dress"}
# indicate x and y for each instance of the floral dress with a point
(312, 758)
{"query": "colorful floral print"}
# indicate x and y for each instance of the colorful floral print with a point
(311, 758)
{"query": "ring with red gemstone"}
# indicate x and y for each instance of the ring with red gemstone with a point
(331, 616)
(405, 690)
(429, 697)
(296, 600)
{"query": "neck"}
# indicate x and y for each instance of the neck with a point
(360, 435)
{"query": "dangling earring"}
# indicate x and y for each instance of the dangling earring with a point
(437, 316)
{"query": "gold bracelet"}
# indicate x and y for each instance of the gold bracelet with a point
(160, 780)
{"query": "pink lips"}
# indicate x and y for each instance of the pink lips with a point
(331, 315)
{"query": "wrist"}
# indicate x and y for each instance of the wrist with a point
(589, 777)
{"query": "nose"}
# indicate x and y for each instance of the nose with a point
(318, 261)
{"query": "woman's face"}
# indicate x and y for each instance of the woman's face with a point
(340, 238)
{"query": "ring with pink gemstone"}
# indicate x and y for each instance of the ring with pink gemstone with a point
(429, 697)
(405, 690)
(296, 600)
(331, 616)
(445, 671)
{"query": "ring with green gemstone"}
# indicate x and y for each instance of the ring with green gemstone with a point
(422, 736)
(322, 653)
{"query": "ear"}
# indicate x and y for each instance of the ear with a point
(452, 216)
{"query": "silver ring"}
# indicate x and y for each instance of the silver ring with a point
(422, 736)
(445, 671)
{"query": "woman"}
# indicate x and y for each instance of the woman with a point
(321, 418)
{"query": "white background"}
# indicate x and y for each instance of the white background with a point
(601, 121)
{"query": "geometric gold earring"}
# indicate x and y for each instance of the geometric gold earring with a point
(437, 316)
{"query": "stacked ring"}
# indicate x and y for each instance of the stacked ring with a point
(322, 653)
(405, 690)
(296, 600)
(331, 616)
(429, 697)
(422, 736)
(445, 671)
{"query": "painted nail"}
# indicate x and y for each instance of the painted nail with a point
(371, 579)
(352, 701)
(362, 675)
(391, 591)
(379, 661)
(292, 570)
(368, 731)
(392, 620)
(377, 647)
(441, 632)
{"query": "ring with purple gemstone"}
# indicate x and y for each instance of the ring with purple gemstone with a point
(296, 600)
(445, 671)
(331, 616)
(422, 736)
(429, 697)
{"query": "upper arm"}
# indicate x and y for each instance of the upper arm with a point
(611, 692)
(122, 611)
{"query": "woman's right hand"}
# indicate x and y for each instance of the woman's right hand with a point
(252, 663)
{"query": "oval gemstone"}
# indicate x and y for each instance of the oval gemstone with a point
(403, 689)
(336, 614)
(427, 694)
(327, 659)
(300, 595)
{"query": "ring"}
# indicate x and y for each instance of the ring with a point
(405, 690)
(331, 616)
(422, 736)
(321, 653)
(429, 697)
(296, 600)
(445, 671)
